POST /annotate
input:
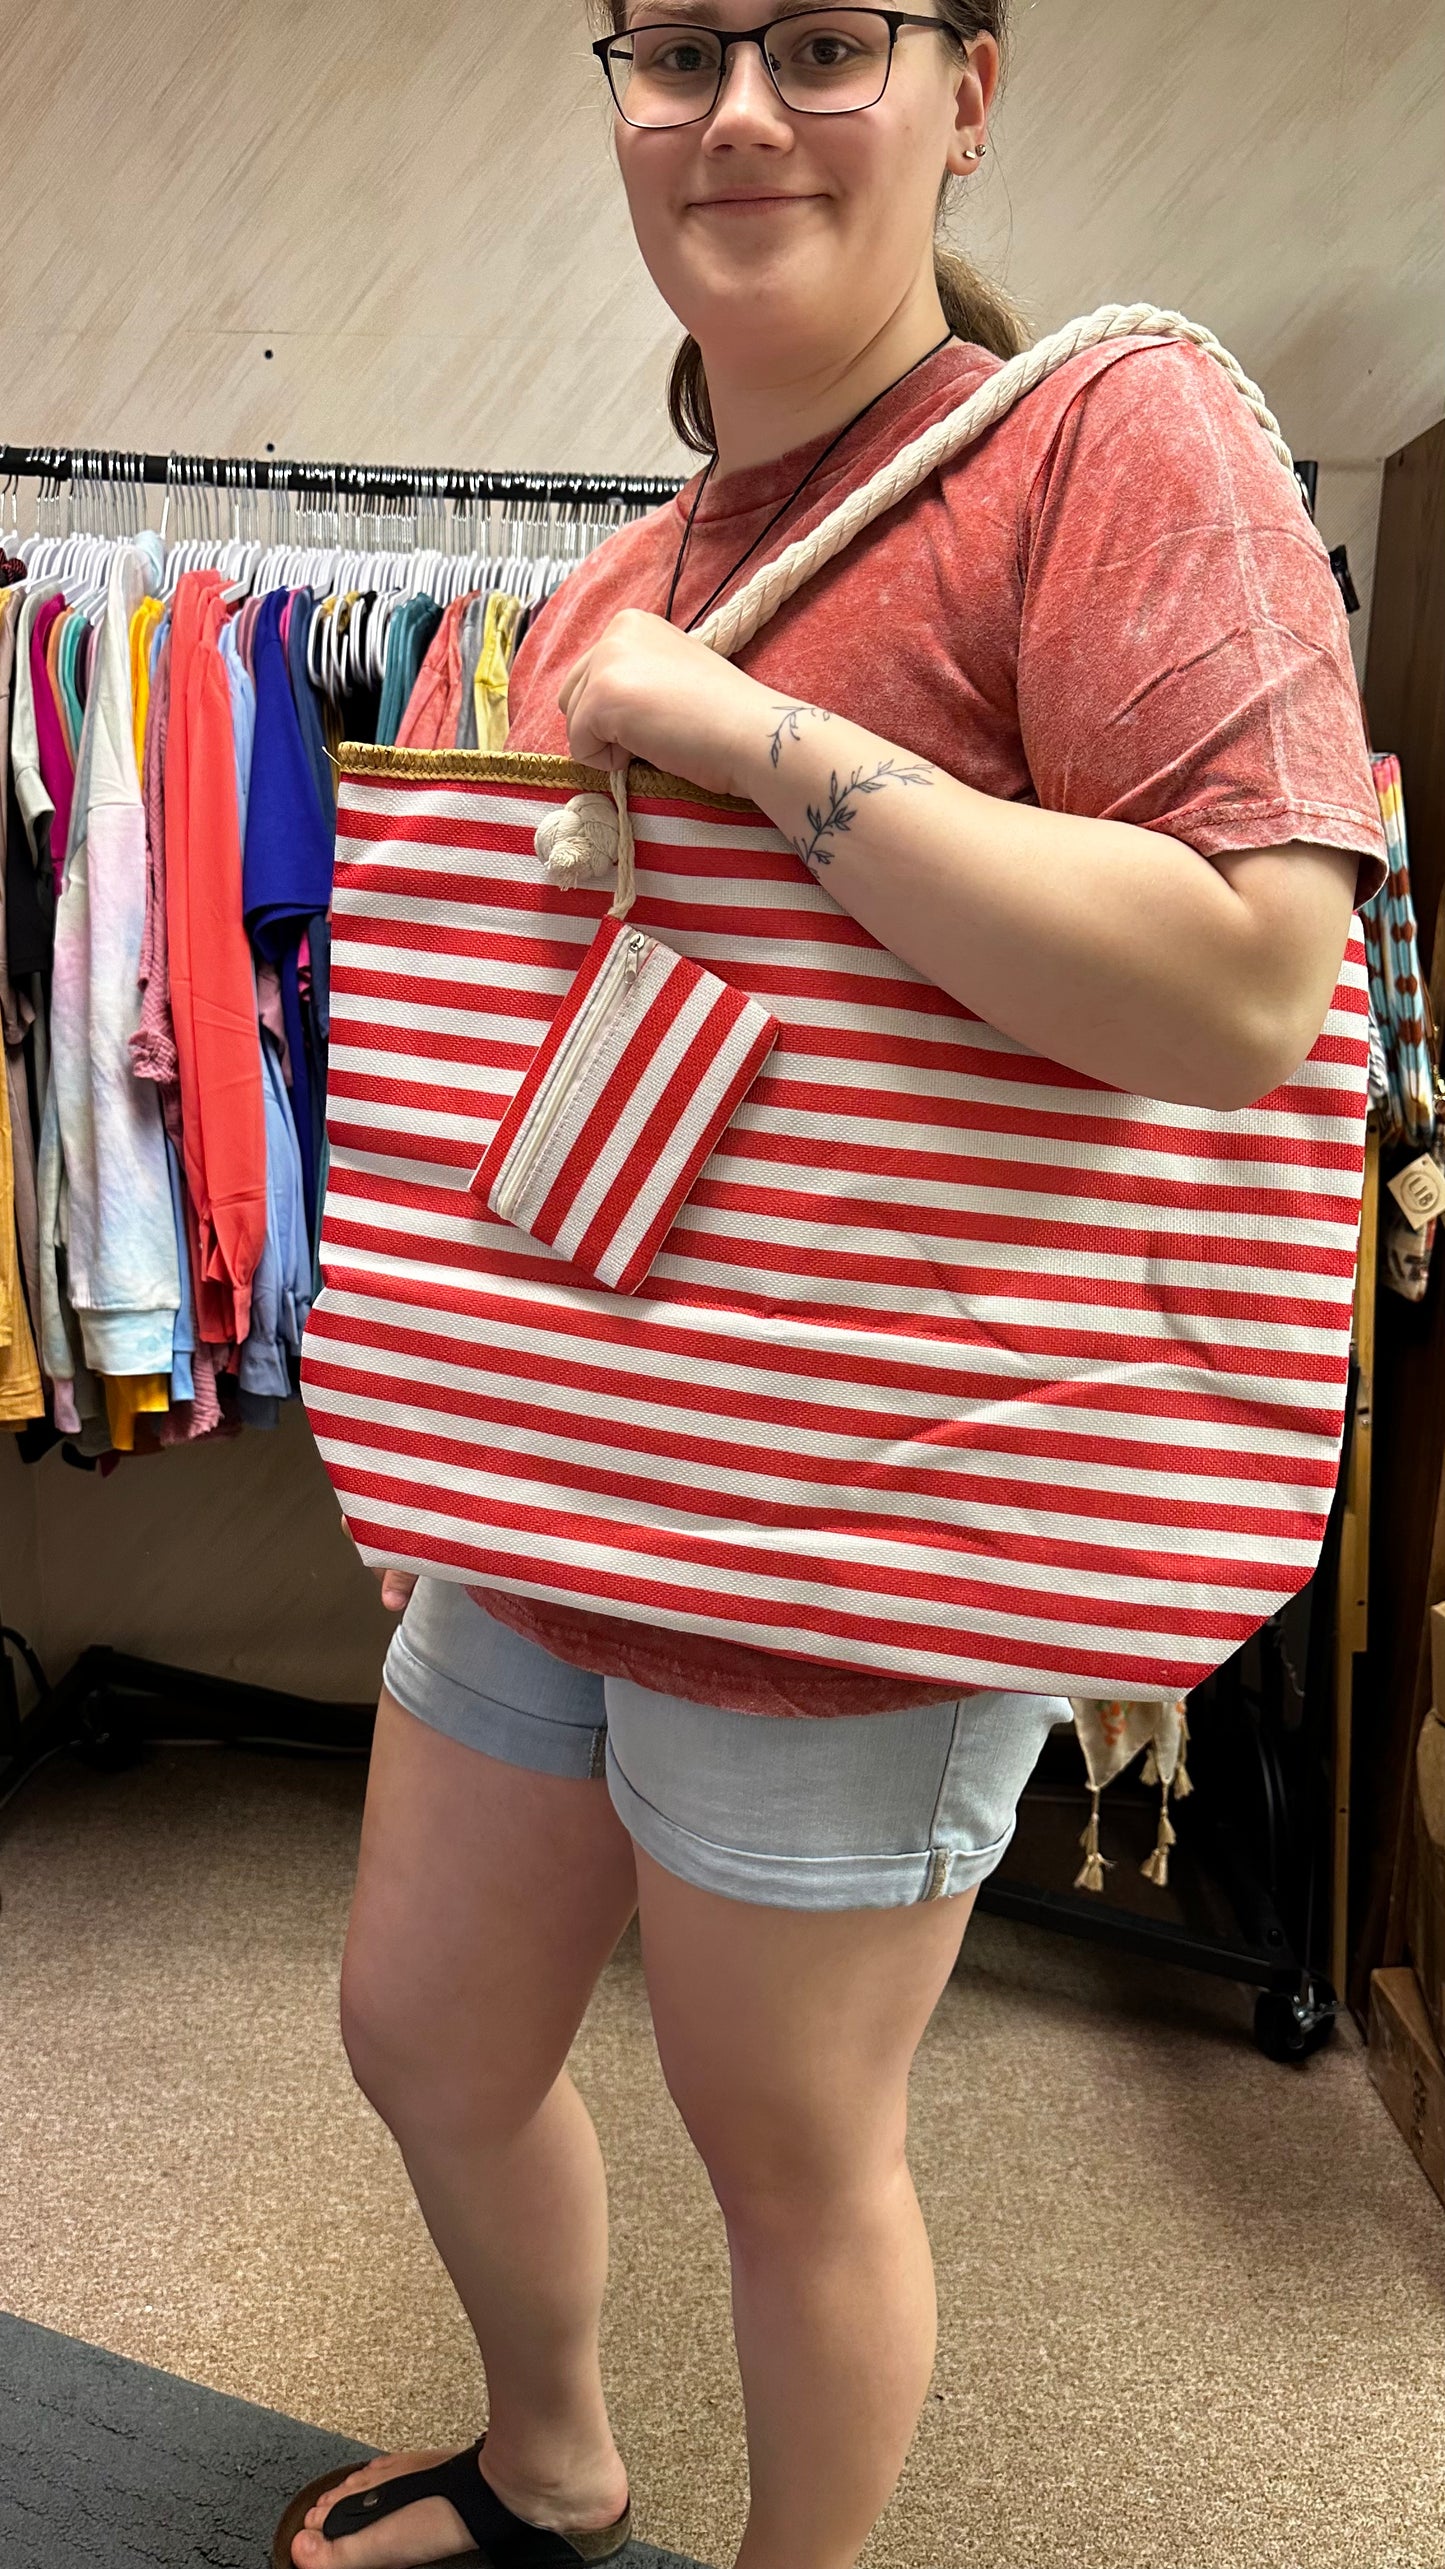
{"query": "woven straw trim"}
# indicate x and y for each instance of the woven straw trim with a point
(519, 767)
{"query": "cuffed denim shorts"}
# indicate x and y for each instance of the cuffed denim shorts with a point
(870, 1811)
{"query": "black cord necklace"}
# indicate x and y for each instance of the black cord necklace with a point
(793, 496)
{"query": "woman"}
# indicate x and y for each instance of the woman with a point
(1112, 620)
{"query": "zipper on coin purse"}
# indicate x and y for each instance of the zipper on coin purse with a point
(608, 993)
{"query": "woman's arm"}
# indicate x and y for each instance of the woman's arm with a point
(1116, 950)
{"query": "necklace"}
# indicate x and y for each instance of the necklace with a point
(793, 496)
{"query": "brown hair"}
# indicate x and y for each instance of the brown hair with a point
(973, 306)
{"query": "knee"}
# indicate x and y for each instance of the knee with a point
(379, 2036)
(784, 2170)
(426, 2076)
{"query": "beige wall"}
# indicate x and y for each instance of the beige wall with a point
(229, 1557)
(413, 208)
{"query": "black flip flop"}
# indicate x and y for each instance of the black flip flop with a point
(503, 2540)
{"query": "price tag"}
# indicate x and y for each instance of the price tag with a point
(1419, 1191)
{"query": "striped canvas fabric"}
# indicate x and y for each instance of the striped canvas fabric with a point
(954, 1363)
(642, 1068)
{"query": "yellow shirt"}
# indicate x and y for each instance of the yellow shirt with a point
(494, 662)
(142, 633)
(21, 1396)
(127, 1397)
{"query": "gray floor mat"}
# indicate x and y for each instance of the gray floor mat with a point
(106, 2464)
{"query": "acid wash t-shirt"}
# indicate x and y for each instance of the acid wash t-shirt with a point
(1113, 604)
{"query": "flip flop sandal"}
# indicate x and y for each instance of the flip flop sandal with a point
(503, 2540)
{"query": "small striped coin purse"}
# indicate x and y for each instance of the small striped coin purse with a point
(645, 1063)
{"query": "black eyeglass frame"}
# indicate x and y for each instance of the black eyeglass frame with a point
(896, 20)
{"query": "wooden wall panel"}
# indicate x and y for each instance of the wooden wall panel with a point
(1406, 673)
(1405, 696)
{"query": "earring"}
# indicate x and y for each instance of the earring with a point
(975, 151)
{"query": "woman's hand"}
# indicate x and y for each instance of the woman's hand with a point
(646, 691)
(396, 1588)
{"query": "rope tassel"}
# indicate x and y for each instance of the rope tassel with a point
(1090, 1876)
(1155, 1867)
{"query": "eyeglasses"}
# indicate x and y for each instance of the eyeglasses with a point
(822, 62)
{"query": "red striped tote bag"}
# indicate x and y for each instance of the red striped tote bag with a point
(953, 1363)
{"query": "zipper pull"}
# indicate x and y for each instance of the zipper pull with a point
(636, 949)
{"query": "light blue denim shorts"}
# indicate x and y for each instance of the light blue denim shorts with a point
(865, 1812)
(872, 1811)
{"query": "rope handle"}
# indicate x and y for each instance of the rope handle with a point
(583, 841)
(736, 622)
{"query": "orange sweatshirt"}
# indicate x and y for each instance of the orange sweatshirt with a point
(213, 991)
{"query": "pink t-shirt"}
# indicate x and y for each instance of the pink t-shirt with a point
(1112, 604)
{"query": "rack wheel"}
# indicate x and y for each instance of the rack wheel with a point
(1289, 2026)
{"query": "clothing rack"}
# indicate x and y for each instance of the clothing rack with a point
(1272, 1701)
(233, 475)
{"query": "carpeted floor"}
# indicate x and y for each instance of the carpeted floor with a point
(1193, 2305)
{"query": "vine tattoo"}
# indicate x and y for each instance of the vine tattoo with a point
(835, 818)
(791, 725)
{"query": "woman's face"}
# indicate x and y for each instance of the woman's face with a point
(781, 239)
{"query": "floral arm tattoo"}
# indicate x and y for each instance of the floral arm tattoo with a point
(835, 818)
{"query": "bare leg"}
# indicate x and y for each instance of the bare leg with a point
(787, 2039)
(488, 1900)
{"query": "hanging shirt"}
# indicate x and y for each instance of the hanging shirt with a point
(408, 638)
(183, 1337)
(281, 1301)
(70, 662)
(245, 626)
(69, 721)
(303, 612)
(144, 626)
(75, 1394)
(243, 718)
(20, 960)
(56, 768)
(289, 857)
(133, 1396)
(473, 627)
(430, 721)
(493, 674)
(30, 901)
(213, 997)
(21, 1397)
(153, 1045)
(123, 1282)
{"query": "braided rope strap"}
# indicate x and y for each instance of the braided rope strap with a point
(580, 846)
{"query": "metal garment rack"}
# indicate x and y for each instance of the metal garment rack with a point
(235, 475)
(110, 1706)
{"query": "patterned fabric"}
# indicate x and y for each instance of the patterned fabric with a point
(644, 1066)
(955, 1364)
(1111, 1735)
(1396, 988)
